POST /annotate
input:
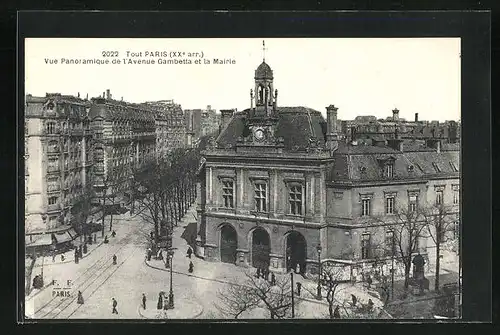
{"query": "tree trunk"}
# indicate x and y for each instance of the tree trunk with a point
(330, 310)
(407, 274)
(438, 254)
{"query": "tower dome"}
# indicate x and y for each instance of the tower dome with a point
(264, 71)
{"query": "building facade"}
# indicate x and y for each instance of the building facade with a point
(58, 162)
(125, 137)
(279, 187)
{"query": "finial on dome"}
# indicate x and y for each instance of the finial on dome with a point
(263, 51)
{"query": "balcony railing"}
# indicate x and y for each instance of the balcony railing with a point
(52, 169)
(54, 207)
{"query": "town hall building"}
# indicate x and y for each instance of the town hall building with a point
(278, 187)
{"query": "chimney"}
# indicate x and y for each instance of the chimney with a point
(434, 143)
(331, 128)
(251, 98)
(226, 115)
(108, 94)
(395, 114)
(416, 117)
(78, 94)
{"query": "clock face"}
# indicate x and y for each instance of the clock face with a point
(259, 134)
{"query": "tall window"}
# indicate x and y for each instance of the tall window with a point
(390, 246)
(260, 196)
(413, 202)
(227, 193)
(51, 127)
(389, 204)
(295, 199)
(365, 206)
(389, 170)
(439, 197)
(365, 246)
(456, 194)
(52, 200)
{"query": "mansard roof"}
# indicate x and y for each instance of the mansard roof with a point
(363, 163)
(296, 125)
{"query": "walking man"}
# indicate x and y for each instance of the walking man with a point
(114, 259)
(143, 301)
(299, 287)
(191, 266)
(114, 311)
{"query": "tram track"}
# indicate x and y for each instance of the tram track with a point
(55, 306)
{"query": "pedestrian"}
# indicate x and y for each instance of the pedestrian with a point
(76, 256)
(149, 254)
(370, 304)
(297, 268)
(336, 312)
(160, 302)
(95, 238)
(114, 259)
(113, 234)
(106, 239)
(80, 298)
(266, 277)
(80, 251)
(273, 279)
(191, 266)
(53, 257)
(114, 311)
(143, 301)
(299, 287)
(62, 258)
(258, 273)
(189, 252)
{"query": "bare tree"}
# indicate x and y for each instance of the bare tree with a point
(407, 229)
(330, 279)
(439, 220)
(257, 292)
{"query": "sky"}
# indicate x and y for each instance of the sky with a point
(360, 76)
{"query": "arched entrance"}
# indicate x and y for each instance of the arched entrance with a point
(260, 248)
(295, 251)
(228, 244)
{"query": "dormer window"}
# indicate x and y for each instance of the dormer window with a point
(389, 170)
(436, 167)
(453, 167)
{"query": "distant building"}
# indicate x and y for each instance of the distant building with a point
(171, 129)
(279, 187)
(58, 159)
(367, 126)
(203, 121)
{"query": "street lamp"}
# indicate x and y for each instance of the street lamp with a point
(171, 293)
(318, 296)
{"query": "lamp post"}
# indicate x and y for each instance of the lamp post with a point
(293, 302)
(318, 296)
(171, 293)
(392, 268)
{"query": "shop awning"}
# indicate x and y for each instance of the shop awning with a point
(37, 240)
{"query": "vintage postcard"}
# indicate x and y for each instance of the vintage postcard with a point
(248, 178)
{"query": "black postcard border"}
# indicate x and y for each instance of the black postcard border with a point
(472, 27)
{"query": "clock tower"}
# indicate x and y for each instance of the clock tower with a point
(262, 116)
